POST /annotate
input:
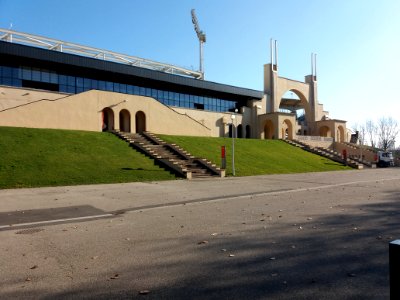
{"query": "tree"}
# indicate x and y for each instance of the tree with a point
(361, 132)
(371, 131)
(388, 130)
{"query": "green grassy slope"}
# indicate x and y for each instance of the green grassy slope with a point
(255, 157)
(45, 157)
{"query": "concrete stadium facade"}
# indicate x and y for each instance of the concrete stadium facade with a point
(48, 88)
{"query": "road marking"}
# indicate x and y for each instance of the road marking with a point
(194, 201)
(249, 195)
(55, 221)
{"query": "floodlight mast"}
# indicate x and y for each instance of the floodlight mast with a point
(202, 39)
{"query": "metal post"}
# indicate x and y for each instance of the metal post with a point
(233, 117)
(315, 66)
(272, 59)
(276, 55)
(394, 269)
(233, 150)
(312, 65)
(201, 60)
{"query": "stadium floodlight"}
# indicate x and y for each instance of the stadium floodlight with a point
(202, 39)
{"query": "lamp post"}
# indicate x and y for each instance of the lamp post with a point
(233, 117)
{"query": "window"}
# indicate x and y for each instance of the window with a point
(62, 79)
(199, 106)
(129, 89)
(26, 73)
(109, 86)
(102, 85)
(71, 80)
(70, 89)
(148, 92)
(87, 83)
(79, 81)
(95, 84)
(53, 77)
(36, 74)
(45, 76)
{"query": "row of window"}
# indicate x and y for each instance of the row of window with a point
(72, 84)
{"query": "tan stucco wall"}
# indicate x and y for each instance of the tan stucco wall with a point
(12, 97)
(216, 121)
(334, 126)
(355, 151)
(280, 123)
(84, 112)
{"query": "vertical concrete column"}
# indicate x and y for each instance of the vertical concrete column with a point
(394, 269)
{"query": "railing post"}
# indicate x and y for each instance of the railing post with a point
(394, 269)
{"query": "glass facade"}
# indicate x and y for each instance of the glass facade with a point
(48, 79)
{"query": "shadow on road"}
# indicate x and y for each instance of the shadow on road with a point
(343, 255)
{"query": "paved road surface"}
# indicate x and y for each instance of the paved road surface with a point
(301, 236)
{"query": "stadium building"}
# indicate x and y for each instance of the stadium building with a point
(47, 83)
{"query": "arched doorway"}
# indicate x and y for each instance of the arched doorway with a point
(269, 130)
(240, 131)
(140, 122)
(325, 131)
(231, 130)
(287, 130)
(294, 102)
(107, 119)
(124, 121)
(248, 131)
(340, 134)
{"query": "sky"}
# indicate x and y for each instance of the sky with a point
(357, 42)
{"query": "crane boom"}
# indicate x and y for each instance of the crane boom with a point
(202, 39)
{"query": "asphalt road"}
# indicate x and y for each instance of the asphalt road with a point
(300, 236)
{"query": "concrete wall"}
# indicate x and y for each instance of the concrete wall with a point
(315, 141)
(84, 112)
(355, 151)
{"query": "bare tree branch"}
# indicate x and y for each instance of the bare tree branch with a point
(388, 130)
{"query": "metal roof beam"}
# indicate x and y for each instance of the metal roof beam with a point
(13, 36)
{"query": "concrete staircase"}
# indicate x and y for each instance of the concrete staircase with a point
(171, 156)
(363, 155)
(328, 153)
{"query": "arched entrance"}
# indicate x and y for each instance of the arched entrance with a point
(269, 130)
(294, 102)
(140, 122)
(340, 134)
(240, 131)
(287, 130)
(107, 119)
(231, 130)
(325, 131)
(124, 121)
(248, 131)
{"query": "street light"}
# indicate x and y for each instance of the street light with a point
(233, 117)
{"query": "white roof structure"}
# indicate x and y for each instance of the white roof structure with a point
(67, 47)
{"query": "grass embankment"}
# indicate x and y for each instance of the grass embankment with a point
(256, 157)
(45, 157)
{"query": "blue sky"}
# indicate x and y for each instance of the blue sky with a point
(357, 41)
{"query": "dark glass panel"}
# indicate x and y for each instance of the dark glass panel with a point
(62, 79)
(45, 76)
(102, 85)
